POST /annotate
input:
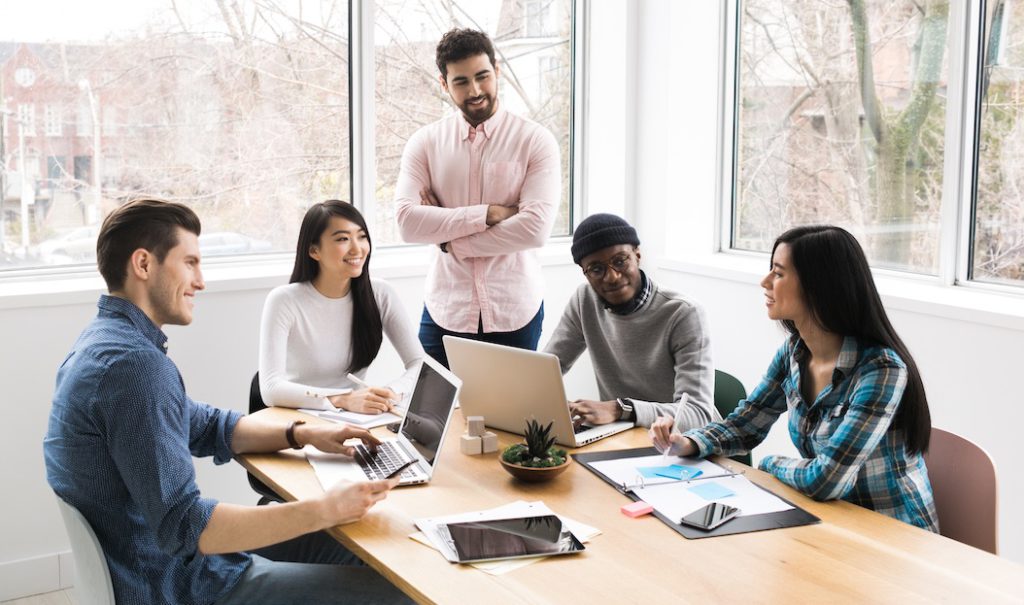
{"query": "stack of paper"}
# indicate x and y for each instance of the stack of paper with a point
(430, 534)
(366, 421)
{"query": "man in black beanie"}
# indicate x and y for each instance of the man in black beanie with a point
(650, 347)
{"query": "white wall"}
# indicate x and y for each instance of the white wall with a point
(967, 344)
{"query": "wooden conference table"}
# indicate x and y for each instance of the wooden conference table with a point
(853, 555)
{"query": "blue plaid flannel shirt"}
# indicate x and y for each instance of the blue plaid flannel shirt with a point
(849, 450)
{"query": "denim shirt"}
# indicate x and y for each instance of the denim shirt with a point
(850, 449)
(119, 448)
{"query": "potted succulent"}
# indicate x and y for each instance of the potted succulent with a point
(537, 459)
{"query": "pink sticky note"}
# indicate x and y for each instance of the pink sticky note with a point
(636, 509)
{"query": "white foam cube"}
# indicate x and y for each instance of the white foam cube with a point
(476, 425)
(490, 442)
(471, 445)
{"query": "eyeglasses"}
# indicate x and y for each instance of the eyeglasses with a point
(619, 263)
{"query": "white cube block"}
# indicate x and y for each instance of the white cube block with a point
(476, 425)
(471, 445)
(490, 442)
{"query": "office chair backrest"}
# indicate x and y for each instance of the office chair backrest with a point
(963, 479)
(92, 576)
(729, 392)
(256, 404)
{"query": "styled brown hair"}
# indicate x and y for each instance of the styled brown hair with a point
(145, 223)
(458, 44)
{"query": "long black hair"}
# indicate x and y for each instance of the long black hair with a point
(840, 293)
(367, 328)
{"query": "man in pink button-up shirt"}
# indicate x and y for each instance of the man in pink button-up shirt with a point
(483, 185)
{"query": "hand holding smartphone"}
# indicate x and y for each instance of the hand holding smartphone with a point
(711, 516)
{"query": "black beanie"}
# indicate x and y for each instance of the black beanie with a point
(599, 231)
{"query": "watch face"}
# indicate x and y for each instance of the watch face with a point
(25, 76)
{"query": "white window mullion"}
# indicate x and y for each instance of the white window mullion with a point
(362, 117)
(958, 178)
(727, 113)
(580, 110)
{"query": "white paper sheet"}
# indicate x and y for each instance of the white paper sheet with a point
(676, 500)
(624, 471)
(431, 535)
(366, 421)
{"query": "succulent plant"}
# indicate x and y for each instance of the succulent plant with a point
(538, 452)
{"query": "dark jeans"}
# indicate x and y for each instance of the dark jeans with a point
(310, 570)
(525, 337)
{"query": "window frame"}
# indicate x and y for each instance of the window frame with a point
(362, 151)
(965, 46)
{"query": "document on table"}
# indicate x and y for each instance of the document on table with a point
(635, 472)
(678, 499)
(366, 421)
(431, 535)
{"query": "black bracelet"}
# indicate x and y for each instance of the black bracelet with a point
(289, 434)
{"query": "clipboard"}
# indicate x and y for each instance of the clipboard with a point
(740, 525)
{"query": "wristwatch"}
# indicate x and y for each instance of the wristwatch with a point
(289, 434)
(626, 409)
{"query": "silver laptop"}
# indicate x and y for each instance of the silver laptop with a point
(420, 437)
(508, 386)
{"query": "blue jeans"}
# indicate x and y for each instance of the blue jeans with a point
(310, 569)
(525, 337)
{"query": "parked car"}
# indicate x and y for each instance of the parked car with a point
(75, 246)
(222, 243)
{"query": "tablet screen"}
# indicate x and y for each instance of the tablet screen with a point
(512, 538)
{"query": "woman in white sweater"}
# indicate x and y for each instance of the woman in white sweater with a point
(330, 320)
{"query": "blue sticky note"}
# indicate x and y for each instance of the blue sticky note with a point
(712, 491)
(678, 471)
(651, 472)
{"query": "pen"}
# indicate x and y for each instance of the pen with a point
(398, 471)
(363, 384)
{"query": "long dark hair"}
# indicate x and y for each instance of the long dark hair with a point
(840, 293)
(367, 328)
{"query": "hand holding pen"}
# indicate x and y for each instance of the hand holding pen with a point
(367, 400)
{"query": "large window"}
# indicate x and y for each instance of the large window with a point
(239, 109)
(850, 113)
(409, 95)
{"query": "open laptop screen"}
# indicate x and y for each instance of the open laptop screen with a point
(428, 412)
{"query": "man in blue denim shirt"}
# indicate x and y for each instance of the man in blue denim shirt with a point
(122, 433)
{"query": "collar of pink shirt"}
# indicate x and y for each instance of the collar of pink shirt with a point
(488, 127)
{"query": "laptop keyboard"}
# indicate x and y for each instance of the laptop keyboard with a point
(380, 464)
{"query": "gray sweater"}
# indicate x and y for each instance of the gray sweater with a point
(652, 356)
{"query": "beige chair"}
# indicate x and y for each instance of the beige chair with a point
(963, 479)
(92, 576)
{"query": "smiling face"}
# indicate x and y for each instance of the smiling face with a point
(472, 83)
(342, 250)
(613, 272)
(783, 294)
(173, 283)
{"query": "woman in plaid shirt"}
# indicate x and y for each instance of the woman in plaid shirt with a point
(857, 407)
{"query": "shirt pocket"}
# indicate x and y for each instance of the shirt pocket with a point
(831, 418)
(503, 182)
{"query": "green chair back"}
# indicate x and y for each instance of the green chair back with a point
(729, 392)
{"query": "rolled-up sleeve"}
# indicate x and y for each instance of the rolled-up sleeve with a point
(873, 401)
(151, 433)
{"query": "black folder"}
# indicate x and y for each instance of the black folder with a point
(740, 525)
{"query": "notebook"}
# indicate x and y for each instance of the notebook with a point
(419, 438)
(508, 386)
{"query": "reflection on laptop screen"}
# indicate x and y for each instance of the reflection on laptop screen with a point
(428, 412)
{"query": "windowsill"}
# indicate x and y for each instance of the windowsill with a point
(913, 293)
(232, 275)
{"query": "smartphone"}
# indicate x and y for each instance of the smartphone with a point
(394, 426)
(398, 471)
(711, 516)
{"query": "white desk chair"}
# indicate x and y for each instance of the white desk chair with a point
(92, 577)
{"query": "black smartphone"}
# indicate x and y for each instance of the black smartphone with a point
(398, 471)
(394, 426)
(711, 516)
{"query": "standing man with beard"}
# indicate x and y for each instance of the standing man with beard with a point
(482, 185)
